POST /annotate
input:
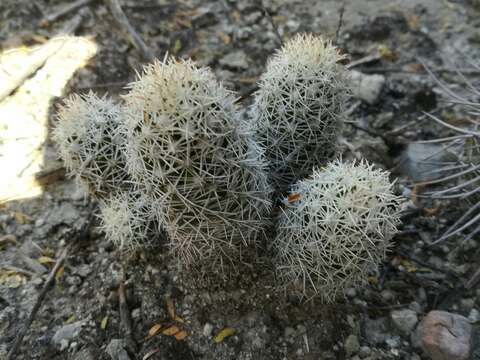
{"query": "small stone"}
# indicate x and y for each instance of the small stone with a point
(288, 332)
(367, 87)
(66, 333)
(236, 60)
(116, 350)
(351, 345)
(207, 330)
(351, 293)
(404, 320)
(364, 352)
(445, 336)
(387, 295)
(375, 330)
(474, 316)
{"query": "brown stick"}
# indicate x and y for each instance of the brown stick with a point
(48, 284)
(64, 10)
(128, 30)
(38, 303)
(125, 318)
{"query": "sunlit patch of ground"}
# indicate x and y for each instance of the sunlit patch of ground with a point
(24, 115)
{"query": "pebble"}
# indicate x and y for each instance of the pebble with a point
(66, 333)
(351, 345)
(207, 329)
(367, 87)
(236, 60)
(404, 320)
(364, 352)
(116, 350)
(474, 316)
(445, 336)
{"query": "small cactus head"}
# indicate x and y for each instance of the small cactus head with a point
(335, 229)
(90, 142)
(299, 108)
(131, 221)
(188, 146)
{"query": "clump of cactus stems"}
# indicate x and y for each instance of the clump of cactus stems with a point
(188, 146)
(299, 107)
(90, 143)
(335, 229)
(177, 158)
(90, 139)
(131, 221)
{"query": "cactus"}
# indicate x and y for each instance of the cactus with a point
(298, 108)
(336, 228)
(131, 221)
(90, 142)
(188, 146)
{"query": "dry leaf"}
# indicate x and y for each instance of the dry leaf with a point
(293, 197)
(172, 330)
(104, 322)
(408, 265)
(228, 331)
(8, 239)
(154, 330)
(150, 354)
(59, 273)
(372, 280)
(387, 54)
(182, 334)
(21, 218)
(46, 260)
(171, 308)
(71, 319)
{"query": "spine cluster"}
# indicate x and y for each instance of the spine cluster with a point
(298, 109)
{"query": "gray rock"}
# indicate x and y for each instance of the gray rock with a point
(474, 316)
(351, 345)
(65, 334)
(366, 87)
(85, 354)
(66, 213)
(445, 336)
(404, 320)
(207, 329)
(364, 351)
(236, 60)
(375, 330)
(116, 350)
(420, 161)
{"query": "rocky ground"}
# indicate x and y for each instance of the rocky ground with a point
(80, 319)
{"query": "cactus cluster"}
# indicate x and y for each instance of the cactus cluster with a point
(336, 227)
(90, 142)
(177, 164)
(188, 146)
(299, 106)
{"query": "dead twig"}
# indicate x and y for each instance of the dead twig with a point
(125, 318)
(364, 60)
(340, 23)
(64, 10)
(473, 280)
(48, 285)
(128, 30)
(266, 13)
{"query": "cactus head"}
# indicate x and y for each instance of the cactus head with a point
(89, 140)
(187, 144)
(335, 229)
(299, 106)
(131, 221)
